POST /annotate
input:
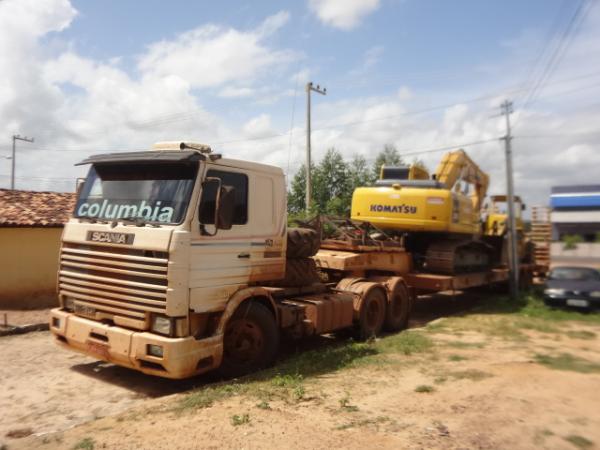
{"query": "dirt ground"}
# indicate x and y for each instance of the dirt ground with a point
(480, 381)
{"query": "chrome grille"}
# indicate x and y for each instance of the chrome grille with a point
(115, 283)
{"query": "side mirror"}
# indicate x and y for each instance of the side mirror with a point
(225, 208)
(217, 206)
(523, 206)
(79, 185)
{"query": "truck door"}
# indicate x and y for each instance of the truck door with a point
(220, 264)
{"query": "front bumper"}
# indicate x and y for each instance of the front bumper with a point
(182, 357)
(572, 301)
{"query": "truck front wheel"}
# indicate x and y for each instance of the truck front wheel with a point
(251, 340)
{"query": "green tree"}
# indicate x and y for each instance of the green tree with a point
(388, 156)
(359, 173)
(297, 192)
(330, 182)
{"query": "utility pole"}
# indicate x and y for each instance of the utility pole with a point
(318, 90)
(16, 138)
(507, 109)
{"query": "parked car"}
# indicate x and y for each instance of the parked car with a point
(577, 287)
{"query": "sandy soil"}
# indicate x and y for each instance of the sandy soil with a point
(488, 393)
(47, 389)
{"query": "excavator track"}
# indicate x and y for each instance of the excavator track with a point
(458, 256)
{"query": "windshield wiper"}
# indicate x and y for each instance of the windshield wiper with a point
(93, 220)
(138, 222)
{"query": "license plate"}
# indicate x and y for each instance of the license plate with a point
(578, 303)
(98, 350)
(84, 310)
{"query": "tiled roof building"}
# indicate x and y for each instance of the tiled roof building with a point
(35, 209)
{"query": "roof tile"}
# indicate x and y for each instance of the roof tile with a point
(35, 209)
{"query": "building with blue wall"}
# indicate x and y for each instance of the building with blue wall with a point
(575, 210)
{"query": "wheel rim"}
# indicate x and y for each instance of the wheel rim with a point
(244, 342)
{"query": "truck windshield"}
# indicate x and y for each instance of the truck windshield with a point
(148, 192)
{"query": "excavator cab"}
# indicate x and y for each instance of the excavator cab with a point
(496, 218)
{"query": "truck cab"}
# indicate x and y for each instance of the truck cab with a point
(161, 245)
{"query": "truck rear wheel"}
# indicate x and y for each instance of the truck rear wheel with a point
(399, 302)
(251, 340)
(372, 313)
(302, 243)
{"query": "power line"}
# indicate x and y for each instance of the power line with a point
(550, 38)
(559, 52)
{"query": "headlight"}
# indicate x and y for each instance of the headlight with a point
(554, 291)
(595, 294)
(161, 325)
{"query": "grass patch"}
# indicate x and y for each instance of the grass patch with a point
(242, 419)
(579, 441)
(263, 405)
(530, 304)
(424, 388)
(566, 361)
(465, 345)
(84, 444)
(470, 374)
(406, 343)
(457, 358)
(581, 334)
(205, 397)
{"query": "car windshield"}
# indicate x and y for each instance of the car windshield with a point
(147, 192)
(574, 274)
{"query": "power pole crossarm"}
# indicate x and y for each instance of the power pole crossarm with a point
(310, 87)
(507, 109)
(16, 138)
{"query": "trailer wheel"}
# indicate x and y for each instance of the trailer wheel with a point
(302, 243)
(372, 313)
(251, 340)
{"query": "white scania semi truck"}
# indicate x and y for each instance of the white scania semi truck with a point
(174, 263)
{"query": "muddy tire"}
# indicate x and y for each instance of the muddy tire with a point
(372, 313)
(399, 303)
(302, 243)
(251, 340)
(300, 272)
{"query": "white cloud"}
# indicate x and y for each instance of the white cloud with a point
(259, 126)
(236, 92)
(75, 105)
(342, 14)
(372, 56)
(212, 55)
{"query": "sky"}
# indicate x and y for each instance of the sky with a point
(84, 78)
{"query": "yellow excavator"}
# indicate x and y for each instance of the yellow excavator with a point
(495, 228)
(439, 216)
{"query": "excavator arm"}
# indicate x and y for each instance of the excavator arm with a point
(457, 166)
